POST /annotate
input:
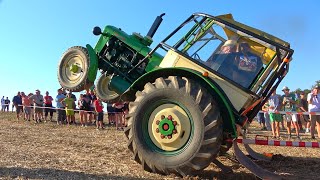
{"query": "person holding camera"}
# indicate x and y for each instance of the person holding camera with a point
(289, 105)
(314, 107)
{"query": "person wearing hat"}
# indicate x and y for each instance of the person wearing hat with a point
(314, 106)
(289, 105)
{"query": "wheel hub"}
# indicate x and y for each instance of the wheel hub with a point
(169, 127)
(166, 126)
(74, 68)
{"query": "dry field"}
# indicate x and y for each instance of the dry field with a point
(49, 151)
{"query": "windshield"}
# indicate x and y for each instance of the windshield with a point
(238, 58)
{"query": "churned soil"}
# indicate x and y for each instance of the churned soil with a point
(51, 151)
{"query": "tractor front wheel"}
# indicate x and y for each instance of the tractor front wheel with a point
(174, 126)
(73, 69)
(103, 91)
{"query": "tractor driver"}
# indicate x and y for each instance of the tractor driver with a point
(223, 61)
(236, 62)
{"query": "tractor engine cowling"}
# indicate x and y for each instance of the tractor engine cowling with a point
(122, 57)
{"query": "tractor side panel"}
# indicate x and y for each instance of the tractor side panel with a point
(238, 97)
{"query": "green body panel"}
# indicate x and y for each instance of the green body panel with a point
(93, 66)
(119, 84)
(137, 43)
(229, 126)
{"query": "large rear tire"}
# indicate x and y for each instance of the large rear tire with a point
(174, 126)
(103, 91)
(73, 69)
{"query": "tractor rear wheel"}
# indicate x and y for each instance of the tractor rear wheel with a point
(103, 91)
(73, 69)
(174, 126)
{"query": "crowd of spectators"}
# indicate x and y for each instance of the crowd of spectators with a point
(90, 108)
(40, 108)
(292, 104)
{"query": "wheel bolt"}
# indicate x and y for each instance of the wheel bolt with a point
(157, 130)
(157, 122)
(174, 131)
(169, 137)
(162, 136)
(170, 117)
(175, 123)
(162, 117)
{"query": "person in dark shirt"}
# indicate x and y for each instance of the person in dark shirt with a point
(303, 107)
(7, 103)
(17, 102)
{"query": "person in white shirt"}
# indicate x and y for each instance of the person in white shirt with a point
(314, 106)
(2, 103)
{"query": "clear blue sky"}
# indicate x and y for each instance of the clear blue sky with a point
(34, 34)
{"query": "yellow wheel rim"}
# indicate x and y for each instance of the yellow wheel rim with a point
(166, 134)
(103, 89)
(73, 68)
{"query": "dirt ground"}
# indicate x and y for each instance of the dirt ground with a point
(51, 151)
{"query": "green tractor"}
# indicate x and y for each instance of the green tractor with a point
(189, 97)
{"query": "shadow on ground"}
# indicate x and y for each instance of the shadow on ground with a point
(43, 173)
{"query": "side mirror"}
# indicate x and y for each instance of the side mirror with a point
(97, 31)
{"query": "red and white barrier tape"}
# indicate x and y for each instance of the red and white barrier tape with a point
(291, 112)
(279, 143)
(76, 110)
(276, 112)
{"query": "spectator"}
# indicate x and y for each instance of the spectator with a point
(70, 105)
(38, 104)
(275, 117)
(314, 106)
(17, 102)
(111, 113)
(12, 107)
(125, 110)
(26, 106)
(261, 120)
(118, 115)
(6, 102)
(266, 116)
(303, 107)
(84, 106)
(99, 110)
(31, 105)
(289, 105)
(93, 98)
(61, 113)
(2, 104)
(299, 119)
(48, 106)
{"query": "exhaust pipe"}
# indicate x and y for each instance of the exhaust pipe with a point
(155, 25)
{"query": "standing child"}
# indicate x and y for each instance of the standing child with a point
(99, 110)
(70, 105)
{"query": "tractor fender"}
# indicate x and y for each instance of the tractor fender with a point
(93, 64)
(212, 87)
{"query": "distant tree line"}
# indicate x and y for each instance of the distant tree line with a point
(306, 91)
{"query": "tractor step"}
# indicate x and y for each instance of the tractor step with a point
(251, 166)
